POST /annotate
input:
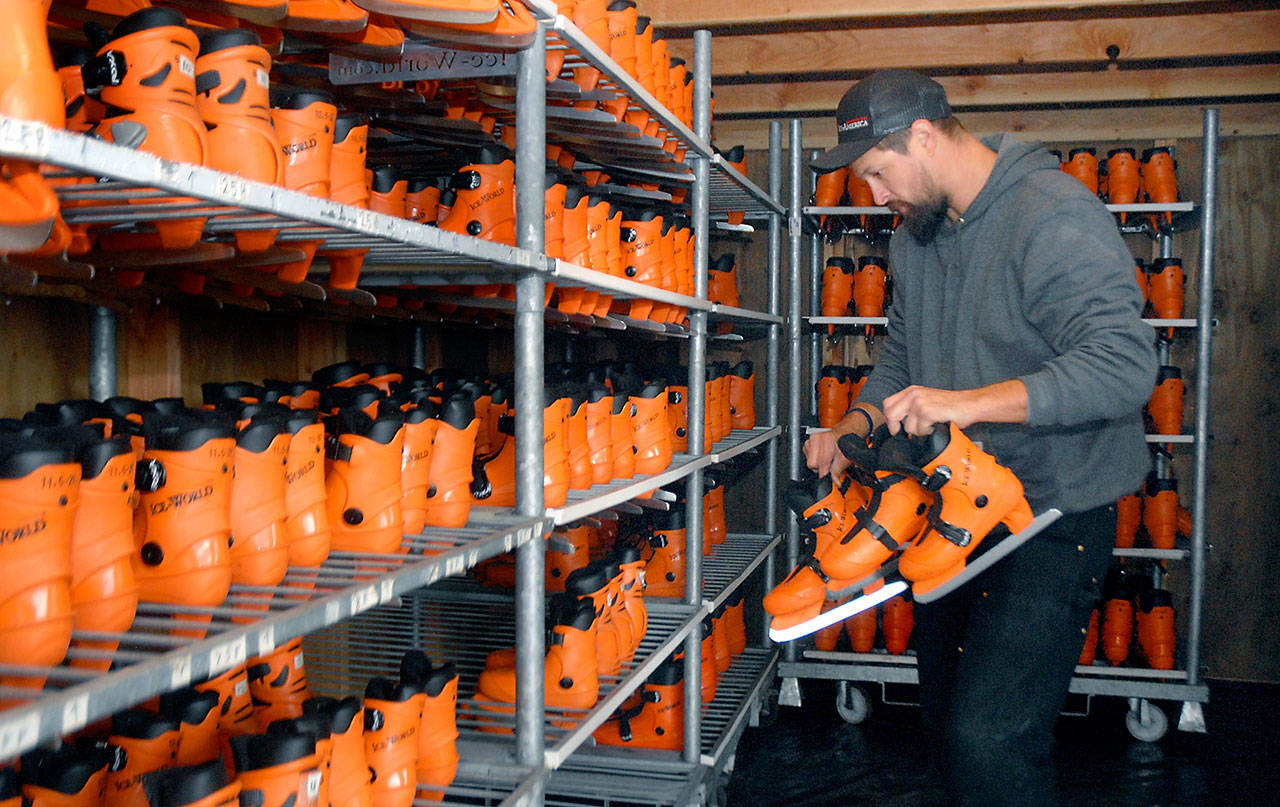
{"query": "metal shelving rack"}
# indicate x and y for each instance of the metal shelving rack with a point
(350, 589)
(1138, 685)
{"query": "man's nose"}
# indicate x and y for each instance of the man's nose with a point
(879, 193)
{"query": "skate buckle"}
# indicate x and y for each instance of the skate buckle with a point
(106, 70)
(149, 476)
(956, 535)
(934, 481)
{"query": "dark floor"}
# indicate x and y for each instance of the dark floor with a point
(809, 757)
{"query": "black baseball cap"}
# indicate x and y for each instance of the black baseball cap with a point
(884, 102)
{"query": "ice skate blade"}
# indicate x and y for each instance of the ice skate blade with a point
(840, 612)
(975, 566)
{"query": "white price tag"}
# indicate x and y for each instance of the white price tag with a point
(180, 672)
(224, 657)
(186, 66)
(75, 714)
(19, 735)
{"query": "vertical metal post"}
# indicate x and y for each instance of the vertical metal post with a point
(418, 347)
(697, 397)
(815, 307)
(1204, 357)
(773, 372)
(530, 557)
(103, 380)
(794, 367)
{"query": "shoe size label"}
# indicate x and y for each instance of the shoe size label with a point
(186, 66)
(421, 61)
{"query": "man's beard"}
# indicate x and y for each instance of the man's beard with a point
(925, 219)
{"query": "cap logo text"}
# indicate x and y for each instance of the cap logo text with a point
(853, 123)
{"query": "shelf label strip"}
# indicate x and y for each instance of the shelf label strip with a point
(421, 61)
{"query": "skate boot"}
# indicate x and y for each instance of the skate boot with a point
(422, 201)
(420, 425)
(678, 413)
(68, 777)
(567, 551)
(1123, 181)
(642, 259)
(1156, 635)
(1128, 519)
(259, 548)
(1083, 165)
(30, 89)
(306, 525)
(658, 721)
(631, 594)
(837, 289)
(149, 743)
(182, 526)
(348, 185)
(973, 493)
(860, 195)
(898, 620)
(304, 124)
(233, 101)
(278, 770)
(833, 395)
(1165, 406)
(278, 683)
(735, 627)
(348, 767)
(437, 755)
(599, 409)
(664, 571)
(869, 284)
(449, 494)
(622, 429)
(613, 638)
(1160, 512)
(392, 719)
(485, 206)
(742, 395)
(145, 74)
(621, 18)
(1159, 183)
(1090, 650)
(362, 482)
(828, 191)
(1165, 287)
(722, 280)
(235, 705)
(555, 448)
(1117, 616)
(580, 471)
(653, 449)
(197, 716)
(204, 785)
(714, 529)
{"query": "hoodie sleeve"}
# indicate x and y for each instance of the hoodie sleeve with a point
(1080, 295)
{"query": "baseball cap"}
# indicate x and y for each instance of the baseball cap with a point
(884, 102)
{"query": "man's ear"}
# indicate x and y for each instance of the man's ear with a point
(924, 135)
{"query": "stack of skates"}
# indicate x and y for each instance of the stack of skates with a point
(916, 516)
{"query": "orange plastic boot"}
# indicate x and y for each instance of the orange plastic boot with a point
(898, 620)
(422, 201)
(1128, 519)
(631, 567)
(259, 548)
(392, 719)
(644, 51)
(861, 628)
(1123, 181)
(837, 288)
(348, 185)
(420, 426)
(735, 625)
(348, 767)
(387, 190)
(146, 75)
(1165, 405)
(362, 482)
(860, 195)
(1165, 288)
(599, 408)
(1160, 511)
(182, 526)
(449, 494)
(613, 638)
(235, 706)
(325, 16)
(306, 525)
(567, 551)
(742, 395)
(819, 504)
(966, 507)
(710, 677)
(722, 280)
(869, 283)
(204, 785)
(577, 245)
(653, 449)
(1090, 650)
(642, 259)
(68, 777)
(555, 448)
(1159, 181)
(664, 571)
(1117, 619)
(30, 89)
(197, 715)
(233, 101)
(149, 742)
(714, 528)
(486, 202)
(278, 770)
(828, 191)
(82, 110)
(622, 429)
(1082, 164)
(278, 683)
(678, 413)
(620, 15)
(658, 720)
(104, 595)
(436, 757)
(1156, 629)
(833, 395)
(713, 425)
(304, 123)
(580, 469)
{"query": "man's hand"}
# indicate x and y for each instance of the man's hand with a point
(822, 455)
(916, 409)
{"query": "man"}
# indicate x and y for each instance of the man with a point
(1016, 317)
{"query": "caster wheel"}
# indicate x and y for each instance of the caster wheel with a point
(851, 703)
(1146, 722)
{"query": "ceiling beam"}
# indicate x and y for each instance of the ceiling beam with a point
(1018, 45)
(1031, 90)
(1050, 126)
(682, 14)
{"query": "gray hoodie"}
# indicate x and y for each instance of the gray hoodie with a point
(1033, 283)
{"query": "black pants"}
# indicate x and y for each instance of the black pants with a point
(997, 655)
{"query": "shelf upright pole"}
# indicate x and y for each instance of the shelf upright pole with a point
(529, 317)
(103, 379)
(794, 367)
(1204, 357)
(700, 200)
(815, 306)
(772, 372)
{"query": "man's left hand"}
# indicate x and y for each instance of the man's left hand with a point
(916, 409)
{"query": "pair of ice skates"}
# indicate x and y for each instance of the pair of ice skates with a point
(915, 515)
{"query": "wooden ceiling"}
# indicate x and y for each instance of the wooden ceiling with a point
(1058, 69)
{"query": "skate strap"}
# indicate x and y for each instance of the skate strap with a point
(864, 519)
(104, 70)
(813, 563)
(334, 449)
(956, 535)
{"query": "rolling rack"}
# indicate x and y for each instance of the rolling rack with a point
(419, 599)
(1144, 720)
